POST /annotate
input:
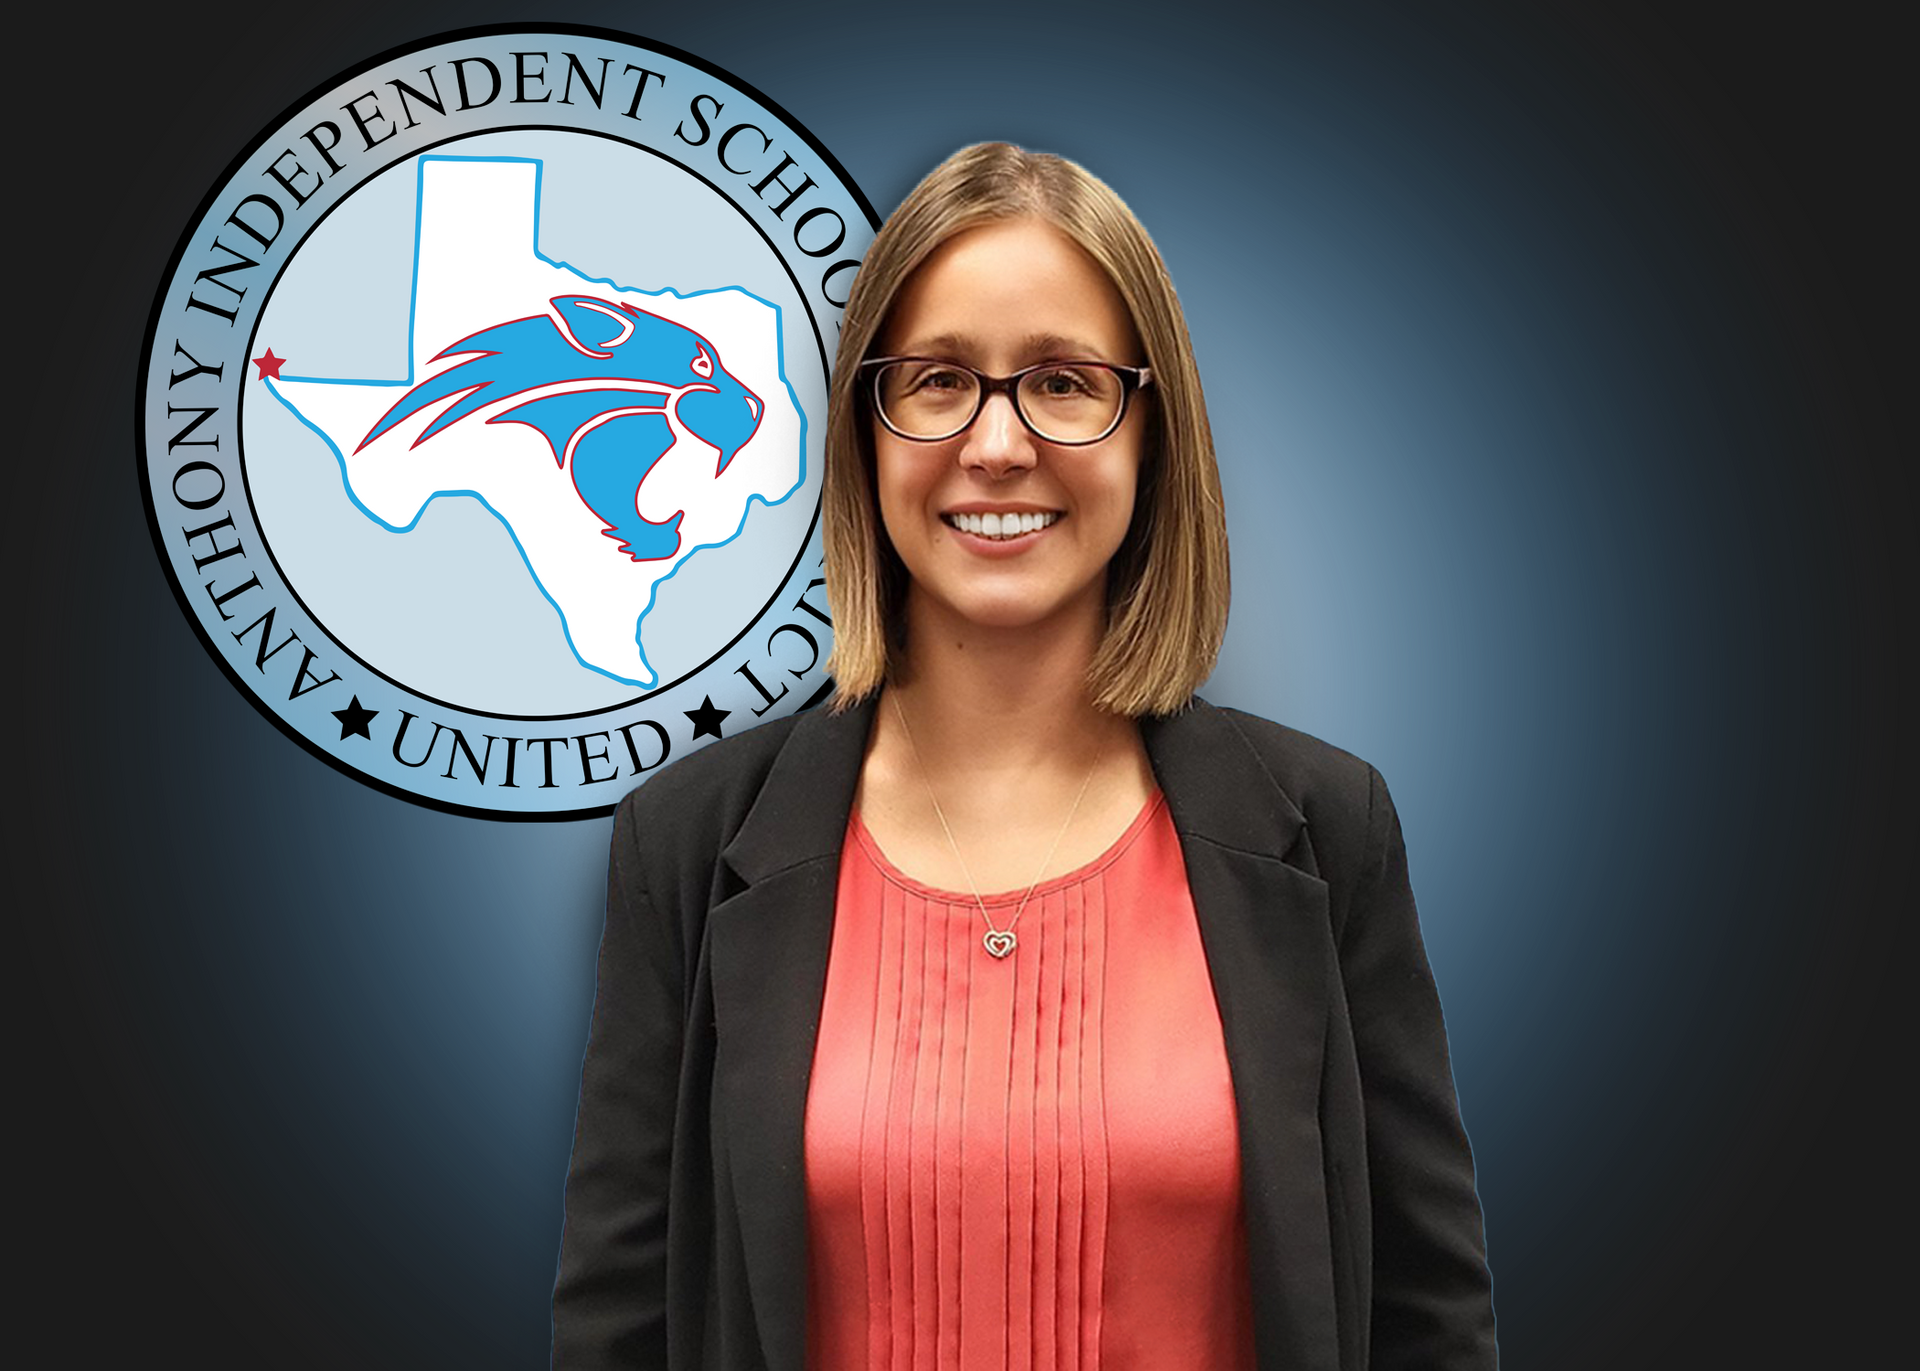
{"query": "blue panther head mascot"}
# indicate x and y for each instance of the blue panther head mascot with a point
(604, 383)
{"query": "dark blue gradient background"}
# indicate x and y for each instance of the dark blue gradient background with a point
(1549, 351)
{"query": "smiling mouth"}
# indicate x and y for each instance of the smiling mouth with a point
(1000, 526)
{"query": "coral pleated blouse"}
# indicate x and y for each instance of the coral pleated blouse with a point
(1025, 1163)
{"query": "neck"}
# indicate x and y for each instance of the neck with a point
(982, 700)
(986, 742)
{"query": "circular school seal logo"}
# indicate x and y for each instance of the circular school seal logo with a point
(481, 416)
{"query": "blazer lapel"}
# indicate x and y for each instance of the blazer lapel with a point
(768, 946)
(1264, 924)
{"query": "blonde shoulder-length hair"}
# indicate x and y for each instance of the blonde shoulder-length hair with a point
(1167, 586)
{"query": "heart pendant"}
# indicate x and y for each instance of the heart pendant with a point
(999, 942)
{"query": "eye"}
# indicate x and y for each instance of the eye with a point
(702, 364)
(936, 380)
(1062, 383)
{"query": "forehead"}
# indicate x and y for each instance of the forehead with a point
(1008, 293)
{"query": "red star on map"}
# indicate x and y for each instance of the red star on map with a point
(269, 366)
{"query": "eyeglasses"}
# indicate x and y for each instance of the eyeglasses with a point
(1067, 403)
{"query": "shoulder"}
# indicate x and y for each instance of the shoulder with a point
(718, 782)
(1315, 774)
(775, 795)
(1340, 798)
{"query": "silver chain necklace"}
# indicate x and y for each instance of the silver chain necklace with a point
(999, 942)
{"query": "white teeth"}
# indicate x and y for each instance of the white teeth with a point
(1001, 526)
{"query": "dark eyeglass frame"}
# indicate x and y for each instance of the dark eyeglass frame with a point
(1131, 379)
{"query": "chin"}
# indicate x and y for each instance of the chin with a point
(1010, 612)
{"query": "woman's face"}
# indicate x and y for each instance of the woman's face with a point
(999, 298)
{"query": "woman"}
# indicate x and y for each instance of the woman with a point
(1023, 1010)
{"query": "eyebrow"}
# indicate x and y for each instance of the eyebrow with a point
(1034, 347)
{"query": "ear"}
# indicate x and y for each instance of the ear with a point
(591, 326)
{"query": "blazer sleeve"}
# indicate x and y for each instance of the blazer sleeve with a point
(1432, 1293)
(610, 1297)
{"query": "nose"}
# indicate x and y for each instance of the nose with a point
(998, 443)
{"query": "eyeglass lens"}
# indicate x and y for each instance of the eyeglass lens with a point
(1071, 402)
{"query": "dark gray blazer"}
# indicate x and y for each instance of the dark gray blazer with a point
(685, 1237)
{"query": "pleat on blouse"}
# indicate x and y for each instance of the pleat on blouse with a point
(1032, 1163)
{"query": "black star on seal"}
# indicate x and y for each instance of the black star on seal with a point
(354, 719)
(706, 719)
